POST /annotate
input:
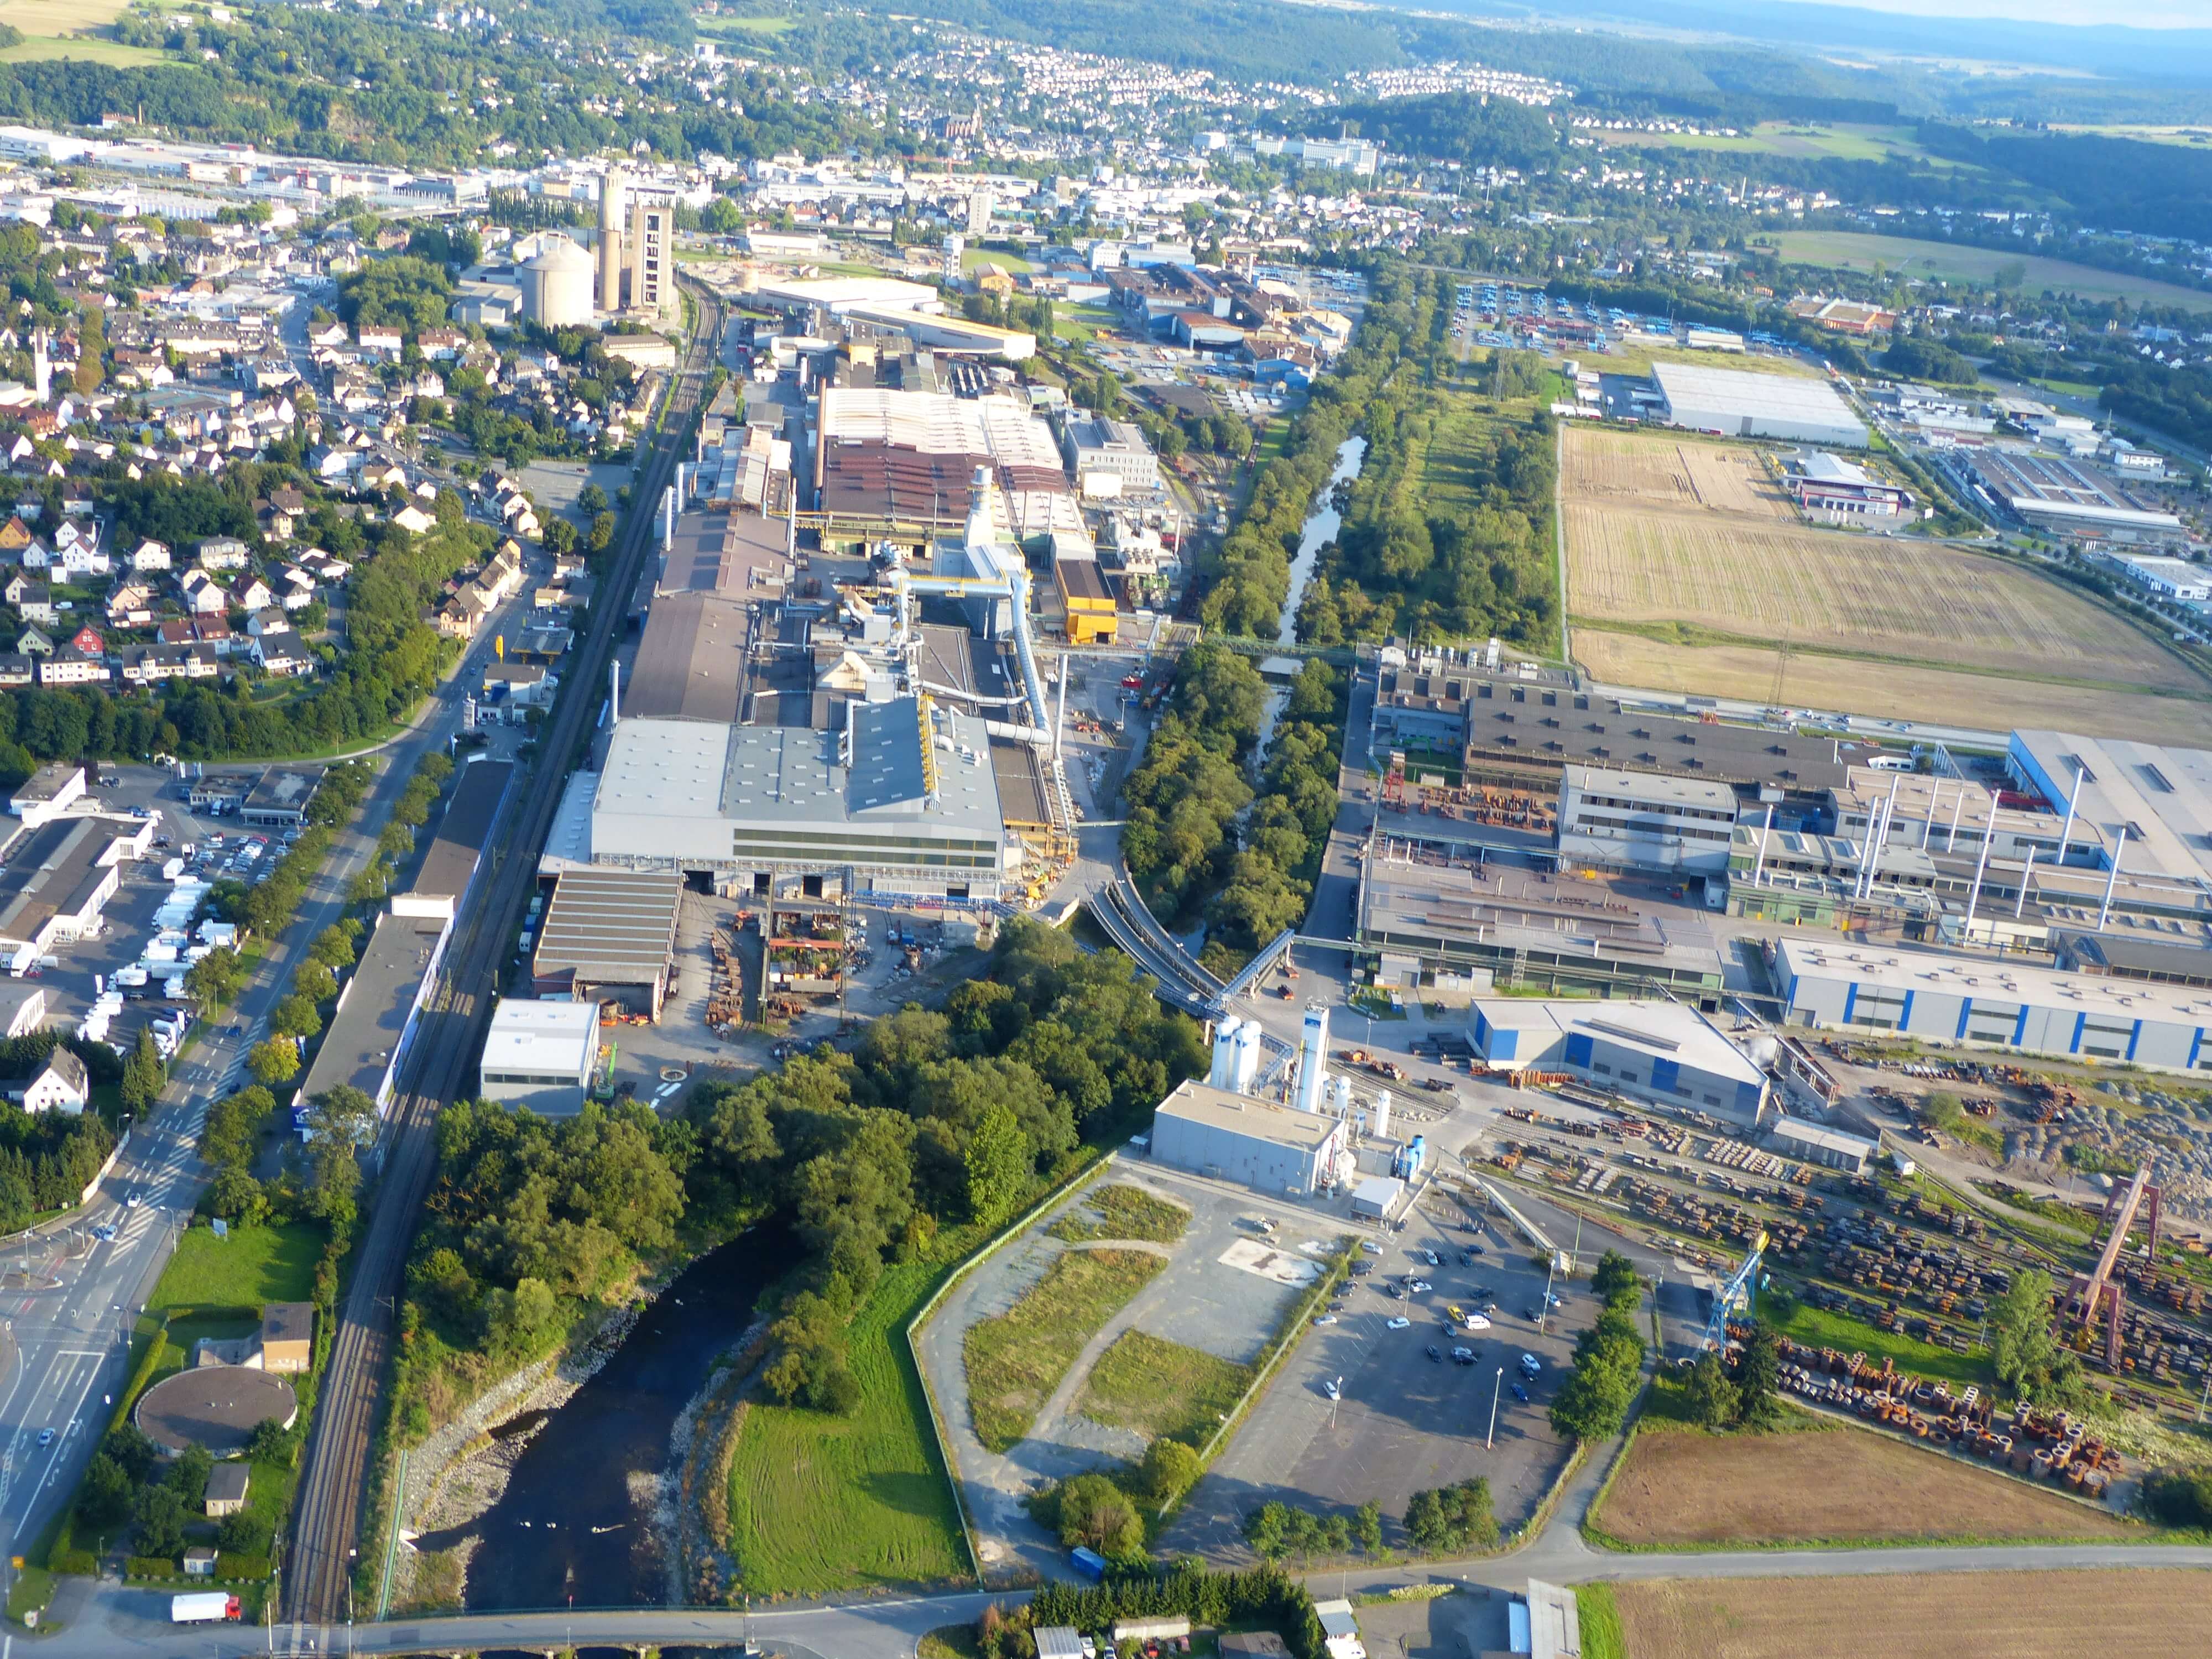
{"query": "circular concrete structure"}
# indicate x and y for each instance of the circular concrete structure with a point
(217, 1406)
(557, 286)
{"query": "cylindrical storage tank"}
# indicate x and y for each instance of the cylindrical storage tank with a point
(557, 286)
(1223, 1072)
(1247, 1055)
(1382, 1119)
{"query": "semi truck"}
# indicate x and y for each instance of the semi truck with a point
(202, 1608)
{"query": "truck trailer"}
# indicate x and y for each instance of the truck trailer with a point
(202, 1608)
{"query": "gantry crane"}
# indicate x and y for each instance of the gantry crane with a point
(2095, 1291)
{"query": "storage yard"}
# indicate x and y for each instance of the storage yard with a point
(1823, 1484)
(2044, 1615)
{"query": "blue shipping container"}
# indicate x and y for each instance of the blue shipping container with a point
(1090, 1564)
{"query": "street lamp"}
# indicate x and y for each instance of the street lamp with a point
(1496, 1383)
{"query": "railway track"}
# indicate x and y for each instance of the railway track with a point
(327, 1519)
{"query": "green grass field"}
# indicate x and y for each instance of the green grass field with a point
(1823, 143)
(1599, 1615)
(738, 29)
(1014, 1362)
(1861, 250)
(1159, 1388)
(1119, 1212)
(819, 1503)
(253, 1266)
(1822, 1329)
(81, 49)
(973, 259)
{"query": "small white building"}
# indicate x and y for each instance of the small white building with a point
(48, 793)
(62, 1084)
(2170, 579)
(540, 1054)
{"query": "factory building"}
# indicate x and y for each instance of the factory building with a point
(1088, 604)
(56, 881)
(902, 798)
(1616, 820)
(2159, 796)
(1651, 1049)
(540, 1055)
(1833, 1149)
(1109, 459)
(651, 249)
(609, 936)
(1741, 404)
(1944, 998)
(48, 793)
(1837, 491)
(1232, 1137)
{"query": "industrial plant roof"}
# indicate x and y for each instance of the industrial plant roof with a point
(610, 925)
(1654, 1026)
(1217, 1108)
(541, 1039)
(1770, 397)
(938, 424)
(2106, 996)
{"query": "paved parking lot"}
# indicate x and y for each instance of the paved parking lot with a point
(1407, 1421)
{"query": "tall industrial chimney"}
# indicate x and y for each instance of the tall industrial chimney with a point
(610, 249)
(1313, 1058)
(614, 694)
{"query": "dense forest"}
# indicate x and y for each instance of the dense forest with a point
(935, 1119)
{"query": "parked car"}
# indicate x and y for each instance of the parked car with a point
(1398, 1324)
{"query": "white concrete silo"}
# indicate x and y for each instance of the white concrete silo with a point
(557, 286)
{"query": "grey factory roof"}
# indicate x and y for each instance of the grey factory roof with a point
(372, 1011)
(610, 925)
(1538, 726)
(779, 775)
(217, 1406)
(50, 869)
(1217, 1108)
(462, 833)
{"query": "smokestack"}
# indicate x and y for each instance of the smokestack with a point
(1313, 1061)
(2073, 800)
(610, 249)
(2105, 910)
(614, 694)
(1379, 1123)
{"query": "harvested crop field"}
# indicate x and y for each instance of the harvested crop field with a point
(1995, 1615)
(1888, 689)
(1685, 1486)
(1690, 551)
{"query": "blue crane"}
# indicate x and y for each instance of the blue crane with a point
(1736, 1294)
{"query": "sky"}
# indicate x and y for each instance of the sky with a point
(2137, 14)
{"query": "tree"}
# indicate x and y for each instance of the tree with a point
(1169, 1469)
(1096, 1512)
(603, 532)
(1757, 1374)
(2028, 1362)
(1943, 1111)
(315, 981)
(1711, 1398)
(295, 1016)
(590, 499)
(1615, 1281)
(160, 1513)
(277, 1060)
(104, 1498)
(341, 1120)
(216, 978)
(144, 1074)
(1367, 1525)
(998, 1164)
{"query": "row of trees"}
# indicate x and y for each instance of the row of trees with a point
(1608, 1364)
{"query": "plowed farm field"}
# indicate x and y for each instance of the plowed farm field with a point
(2058, 1615)
(1681, 1488)
(1688, 551)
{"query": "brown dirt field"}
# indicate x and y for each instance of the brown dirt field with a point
(1996, 1615)
(1690, 1487)
(1890, 691)
(1643, 471)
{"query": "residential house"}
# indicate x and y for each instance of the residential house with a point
(381, 337)
(71, 664)
(32, 599)
(15, 536)
(16, 669)
(250, 595)
(81, 560)
(87, 639)
(145, 664)
(411, 517)
(281, 653)
(217, 632)
(440, 344)
(295, 588)
(151, 555)
(60, 1085)
(130, 605)
(222, 553)
(32, 643)
(204, 596)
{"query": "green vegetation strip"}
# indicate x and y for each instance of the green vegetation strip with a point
(1159, 1387)
(1014, 1362)
(1819, 1328)
(1599, 1615)
(1121, 1211)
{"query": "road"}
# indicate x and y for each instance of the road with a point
(68, 1298)
(318, 1590)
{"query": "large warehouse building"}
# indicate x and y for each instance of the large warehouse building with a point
(1649, 1048)
(609, 936)
(903, 797)
(1740, 403)
(1972, 999)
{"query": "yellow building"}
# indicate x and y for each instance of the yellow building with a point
(1083, 596)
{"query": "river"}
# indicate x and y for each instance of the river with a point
(572, 1527)
(1321, 526)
